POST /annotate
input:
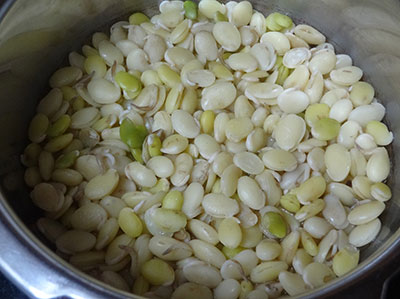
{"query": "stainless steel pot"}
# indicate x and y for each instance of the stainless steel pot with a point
(36, 36)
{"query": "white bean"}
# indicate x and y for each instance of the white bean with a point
(207, 253)
(184, 124)
(227, 35)
(140, 174)
(250, 193)
(219, 205)
(366, 212)
(378, 166)
(192, 198)
(364, 234)
(289, 131)
(248, 162)
(337, 161)
(227, 289)
(202, 274)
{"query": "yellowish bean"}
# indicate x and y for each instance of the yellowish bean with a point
(311, 189)
(229, 232)
(290, 202)
(58, 143)
(310, 210)
(173, 200)
(168, 76)
(102, 185)
(273, 223)
(207, 121)
(130, 223)
(308, 243)
(267, 271)
(381, 192)
(158, 272)
(138, 18)
(345, 260)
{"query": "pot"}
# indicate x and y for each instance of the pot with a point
(35, 38)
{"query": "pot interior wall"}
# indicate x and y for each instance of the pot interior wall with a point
(36, 37)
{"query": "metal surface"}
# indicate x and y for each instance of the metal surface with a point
(36, 36)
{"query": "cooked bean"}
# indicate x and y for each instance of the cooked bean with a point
(251, 235)
(337, 161)
(238, 128)
(174, 144)
(219, 205)
(183, 166)
(192, 199)
(317, 274)
(130, 223)
(365, 233)
(140, 174)
(267, 271)
(378, 166)
(309, 34)
(289, 131)
(202, 274)
(169, 249)
(334, 211)
(242, 62)
(46, 197)
(279, 41)
(358, 163)
(207, 253)
(115, 280)
(273, 224)
(325, 245)
(107, 233)
(102, 185)
(292, 283)
(207, 146)
(381, 192)
(158, 272)
(166, 220)
(184, 124)
(257, 294)
(75, 241)
(88, 217)
(162, 166)
(268, 250)
(301, 260)
(229, 232)
(311, 189)
(229, 180)
(317, 227)
(323, 61)
(366, 212)
(203, 231)
(65, 76)
(279, 160)
(345, 260)
(263, 91)
(191, 289)
(250, 193)
(227, 289)
(293, 101)
(227, 35)
(289, 247)
(116, 249)
(365, 113)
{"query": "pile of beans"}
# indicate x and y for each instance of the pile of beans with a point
(209, 152)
